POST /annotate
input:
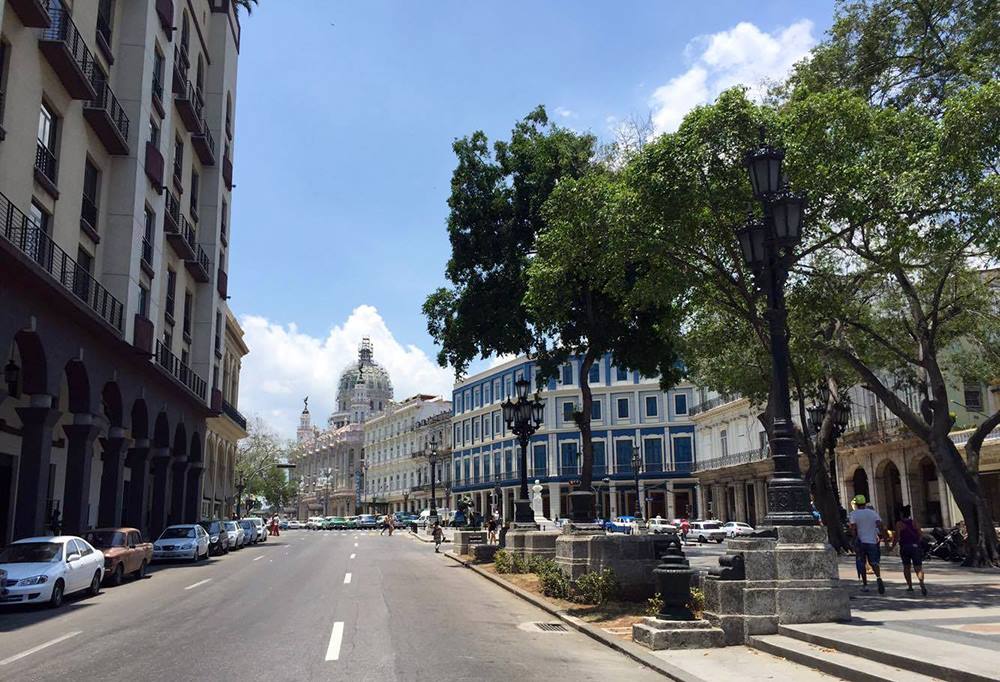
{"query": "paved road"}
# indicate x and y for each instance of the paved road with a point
(285, 610)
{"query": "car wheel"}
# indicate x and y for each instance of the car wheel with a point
(719, 540)
(701, 538)
(195, 555)
(118, 575)
(141, 571)
(95, 585)
(56, 599)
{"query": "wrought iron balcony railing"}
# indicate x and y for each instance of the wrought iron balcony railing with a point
(713, 403)
(180, 371)
(45, 162)
(234, 414)
(733, 459)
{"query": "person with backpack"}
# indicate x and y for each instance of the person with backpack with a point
(438, 534)
(866, 525)
(909, 536)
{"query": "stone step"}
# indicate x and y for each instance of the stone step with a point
(926, 655)
(833, 662)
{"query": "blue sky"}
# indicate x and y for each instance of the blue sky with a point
(346, 112)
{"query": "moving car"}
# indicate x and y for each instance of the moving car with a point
(182, 541)
(703, 531)
(44, 569)
(622, 524)
(218, 538)
(658, 525)
(736, 528)
(237, 536)
(367, 521)
(125, 553)
(294, 524)
(249, 531)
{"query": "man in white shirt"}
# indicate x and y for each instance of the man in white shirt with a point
(866, 525)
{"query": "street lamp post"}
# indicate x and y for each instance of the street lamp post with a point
(364, 483)
(497, 494)
(768, 249)
(523, 418)
(841, 415)
(636, 470)
(432, 459)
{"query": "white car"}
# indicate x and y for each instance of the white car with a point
(183, 541)
(259, 524)
(237, 537)
(704, 531)
(44, 569)
(294, 524)
(737, 528)
(314, 523)
(658, 525)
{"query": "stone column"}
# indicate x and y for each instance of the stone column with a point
(641, 500)
(136, 460)
(903, 465)
(109, 508)
(671, 504)
(192, 505)
(741, 501)
(699, 495)
(555, 501)
(178, 488)
(80, 437)
(160, 465)
(30, 510)
(944, 495)
(613, 499)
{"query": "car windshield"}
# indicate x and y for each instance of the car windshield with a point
(210, 526)
(102, 539)
(174, 533)
(31, 553)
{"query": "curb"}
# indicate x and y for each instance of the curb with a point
(633, 651)
(416, 536)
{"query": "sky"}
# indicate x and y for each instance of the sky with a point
(345, 117)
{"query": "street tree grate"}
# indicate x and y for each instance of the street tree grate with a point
(551, 627)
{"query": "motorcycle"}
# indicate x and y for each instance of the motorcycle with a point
(946, 545)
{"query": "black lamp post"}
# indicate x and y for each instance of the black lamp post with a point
(767, 248)
(364, 482)
(432, 459)
(523, 418)
(841, 415)
(497, 493)
(636, 470)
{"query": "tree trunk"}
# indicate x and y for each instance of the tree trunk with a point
(582, 419)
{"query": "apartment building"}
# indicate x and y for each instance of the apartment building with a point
(115, 178)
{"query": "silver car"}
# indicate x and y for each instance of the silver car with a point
(237, 536)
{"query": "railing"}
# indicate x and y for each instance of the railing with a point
(33, 242)
(147, 251)
(179, 370)
(172, 208)
(713, 403)
(45, 162)
(202, 258)
(158, 86)
(209, 140)
(62, 29)
(733, 459)
(107, 101)
(962, 437)
(88, 212)
(181, 62)
(234, 414)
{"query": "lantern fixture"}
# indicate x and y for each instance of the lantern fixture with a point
(522, 385)
(508, 412)
(786, 209)
(764, 167)
(753, 237)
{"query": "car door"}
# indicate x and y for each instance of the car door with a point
(202, 540)
(74, 569)
(92, 561)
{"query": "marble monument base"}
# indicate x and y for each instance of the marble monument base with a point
(660, 634)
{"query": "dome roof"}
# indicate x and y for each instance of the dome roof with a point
(375, 376)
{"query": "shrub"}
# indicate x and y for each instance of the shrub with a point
(555, 584)
(697, 601)
(519, 564)
(654, 605)
(597, 587)
(540, 565)
(503, 561)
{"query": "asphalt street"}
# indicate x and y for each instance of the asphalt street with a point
(310, 605)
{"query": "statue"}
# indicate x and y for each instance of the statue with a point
(305, 404)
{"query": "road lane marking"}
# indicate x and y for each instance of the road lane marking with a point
(200, 582)
(355, 544)
(258, 558)
(347, 578)
(333, 649)
(353, 555)
(33, 650)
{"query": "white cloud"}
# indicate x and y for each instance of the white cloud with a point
(566, 113)
(742, 55)
(286, 365)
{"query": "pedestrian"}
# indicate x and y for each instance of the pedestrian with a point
(685, 528)
(491, 531)
(55, 521)
(866, 525)
(385, 525)
(438, 534)
(390, 523)
(908, 536)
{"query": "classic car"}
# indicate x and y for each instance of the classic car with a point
(125, 553)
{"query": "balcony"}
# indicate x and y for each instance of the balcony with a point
(733, 459)
(35, 244)
(68, 55)
(227, 172)
(204, 144)
(189, 104)
(146, 259)
(154, 166)
(712, 404)
(181, 66)
(234, 414)
(171, 213)
(46, 169)
(222, 283)
(106, 116)
(32, 13)
(181, 238)
(142, 335)
(165, 12)
(199, 266)
(179, 371)
(88, 218)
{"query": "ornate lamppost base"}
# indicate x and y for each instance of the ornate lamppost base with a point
(523, 513)
(788, 503)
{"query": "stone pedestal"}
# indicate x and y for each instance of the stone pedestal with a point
(463, 540)
(788, 579)
(677, 634)
(631, 557)
(484, 554)
(541, 543)
(516, 537)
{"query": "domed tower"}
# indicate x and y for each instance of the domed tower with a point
(305, 432)
(364, 388)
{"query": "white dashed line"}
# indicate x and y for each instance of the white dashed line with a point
(355, 544)
(333, 649)
(258, 558)
(353, 555)
(200, 582)
(347, 578)
(18, 657)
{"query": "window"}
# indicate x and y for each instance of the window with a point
(458, 471)
(468, 401)
(508, 462)
(465, 431)
(158, 74)
(538, 460)
(457, 438)
(621, 374)
(487, 398)
(38, 235)
(680, 403)
(486, 426)
(567, 374)
(229, 114)
(623, 408)
(973, 397)
(467, 469)
(82, 274)
(195, 187)
(683, 453)
(568, 408)
(4, 59)
(88, 206)
(218, 332)
(623, 456)
(224, 220)
(188, 312)
(594, 376)
(178, 159)
(185, 32)
(653, 455)
(476, 402)
(508, 385)
(105, 20)
(171, 290)
(651, 410)
(595, 410)
(496, 423)
(168, 340)
(724, 442)
(600, 458)
(475, 469)
(45, 157)
(496, 389)
(143, 301)
(475, 430)
(568, 458)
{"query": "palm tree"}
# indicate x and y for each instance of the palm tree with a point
(245, 4)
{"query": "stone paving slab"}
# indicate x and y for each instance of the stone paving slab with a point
(740, 664)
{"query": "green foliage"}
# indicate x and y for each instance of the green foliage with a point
(257, 458)
(503, 561)
(245, 5)
(697, 601)
(596, 587)
(555, 584)
(654, 605)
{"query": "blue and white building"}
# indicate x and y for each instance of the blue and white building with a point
(629, 410)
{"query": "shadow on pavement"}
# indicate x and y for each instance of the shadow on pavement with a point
(22, 615)
(939, 597)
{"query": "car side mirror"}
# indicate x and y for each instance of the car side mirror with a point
(73, 557)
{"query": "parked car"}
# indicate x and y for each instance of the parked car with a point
(3, 583)
(283, 524)
(44, 569)
(261, 528)
(294, 524)
(736, 528)
(622, 524)
(218, 538)
(314, 523)
(367, 521)
(338, 523)
(182, 541)
(125, 552)
(237, 536)
(704, 531)
(249, 531)
(658, 525)
(351, 522)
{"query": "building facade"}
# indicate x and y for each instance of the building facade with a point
(629, 411)
(113, 262)
(225, 431)
(397, 441)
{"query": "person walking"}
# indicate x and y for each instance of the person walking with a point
(491, 531)
(385, 525)
(908, 536)
(866, 525)
(685, 529)
(390, 521)
(438, 534)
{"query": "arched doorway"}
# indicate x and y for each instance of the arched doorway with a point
(859, 483)
(930, 494)
(891, 493)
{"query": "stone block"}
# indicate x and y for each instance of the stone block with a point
(464, 539)
(803, 562)
(541, 543)
(677, 634)
(824, 604)
(631, 557)
(484, 554)
(516, 538)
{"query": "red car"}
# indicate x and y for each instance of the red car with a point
(124, 552)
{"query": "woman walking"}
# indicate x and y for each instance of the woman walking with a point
(909, 535)
(491, 531)
(438, 534)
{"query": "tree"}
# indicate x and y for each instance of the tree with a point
(582, 294)
(257, 459)
(496, 213)
(245, 5)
